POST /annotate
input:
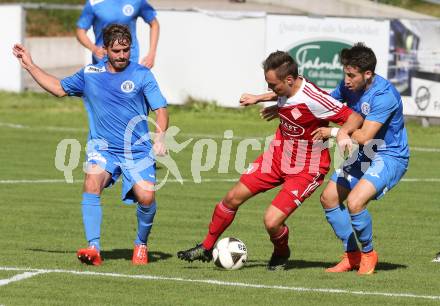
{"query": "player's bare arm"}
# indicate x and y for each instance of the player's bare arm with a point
(321, 133)
(48, 82)
(343, 138)
(250, 99)
(367, 132)
(161, 127)
(327, 132)
(84, 40)
(148, 61)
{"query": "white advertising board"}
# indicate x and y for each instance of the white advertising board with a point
(425, 99)
(11, 32)
(206, 56)
(315, 43)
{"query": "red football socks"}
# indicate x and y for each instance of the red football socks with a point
(281, 241)
(221, 219)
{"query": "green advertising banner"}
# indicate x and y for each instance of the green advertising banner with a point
(319, 62)
(316, 42)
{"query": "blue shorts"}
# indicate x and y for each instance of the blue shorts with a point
(384, 172)
(134, 168)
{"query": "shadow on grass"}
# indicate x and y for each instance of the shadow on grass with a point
(304, 264)
(128, 253)
(291, 264)
(52, 251)
(113, 254)
(387, 266)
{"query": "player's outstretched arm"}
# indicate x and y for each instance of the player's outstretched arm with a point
(46, 81)
(81, 36)
(250, 99)
(161, 127)
(148, 61)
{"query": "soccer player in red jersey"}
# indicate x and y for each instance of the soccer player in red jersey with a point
(293, 160)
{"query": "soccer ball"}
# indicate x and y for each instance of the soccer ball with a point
(230, 253)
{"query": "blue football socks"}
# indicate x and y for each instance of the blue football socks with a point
(145, 216)
(92, 218)
(339, 219)
(363, 226)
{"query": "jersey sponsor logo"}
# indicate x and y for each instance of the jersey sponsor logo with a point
(93, 69)
(365, 108)
(290, 128)
(128, 10)
(93, 2)
(127, 86)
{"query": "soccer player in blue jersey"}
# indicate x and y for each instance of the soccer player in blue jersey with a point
(376, 167)
(118, 95)
(101, 13)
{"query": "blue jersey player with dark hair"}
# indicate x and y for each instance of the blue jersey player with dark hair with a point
(376, 167)
(118, 95)
(101, 13)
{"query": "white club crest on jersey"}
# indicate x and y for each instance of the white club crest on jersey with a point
(365, 108)
(127, 86)
(128, 10)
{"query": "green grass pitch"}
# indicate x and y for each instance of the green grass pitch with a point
(41, 227)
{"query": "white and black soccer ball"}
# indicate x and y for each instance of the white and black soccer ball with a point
(230, 253)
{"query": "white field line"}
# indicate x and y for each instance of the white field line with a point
(423, 149)
(189, 135)
(223, 283)
(50, 181)
(19, 277)
(207, 180)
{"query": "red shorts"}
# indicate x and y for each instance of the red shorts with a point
(296, 187)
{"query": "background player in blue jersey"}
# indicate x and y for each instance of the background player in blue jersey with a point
(376, 167)
(101, 13)
(118, 94)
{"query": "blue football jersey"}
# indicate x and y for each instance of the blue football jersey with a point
(101, 13)
(117, 104)
(381, 103)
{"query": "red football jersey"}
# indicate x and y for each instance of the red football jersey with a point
(310, 108)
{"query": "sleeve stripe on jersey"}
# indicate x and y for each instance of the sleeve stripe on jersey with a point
(317, 88)
(322, 100)
(321, 97)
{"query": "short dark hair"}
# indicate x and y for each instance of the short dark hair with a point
(116, 32)
(282, 63)
(359, 56)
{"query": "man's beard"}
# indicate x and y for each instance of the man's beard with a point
(119, 64)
